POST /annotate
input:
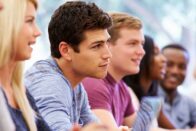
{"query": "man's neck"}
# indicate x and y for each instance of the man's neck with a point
(171, 95)
(71, 75)
(117, 75)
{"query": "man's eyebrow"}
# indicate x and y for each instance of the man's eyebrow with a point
(99, 41)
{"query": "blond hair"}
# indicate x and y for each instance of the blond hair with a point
(11, 19)
(122, 20)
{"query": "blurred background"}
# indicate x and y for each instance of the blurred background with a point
(165, 20)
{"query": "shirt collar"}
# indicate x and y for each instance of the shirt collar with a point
(162, 93)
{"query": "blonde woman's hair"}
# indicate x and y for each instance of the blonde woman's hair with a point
(11, 20)
(122, 20)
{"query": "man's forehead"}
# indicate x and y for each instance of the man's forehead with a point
(171, 52)
(96, 35)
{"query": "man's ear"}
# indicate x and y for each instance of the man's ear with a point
(65, 50)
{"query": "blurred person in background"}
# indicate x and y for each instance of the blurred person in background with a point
(179, 108)
(145, 83)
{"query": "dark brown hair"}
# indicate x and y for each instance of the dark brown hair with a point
(71, 20)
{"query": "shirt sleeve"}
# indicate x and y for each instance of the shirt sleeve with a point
(52, 100)
(130, 108)
(192, 105)
(41, 124)
(86, 115)
(98, 94)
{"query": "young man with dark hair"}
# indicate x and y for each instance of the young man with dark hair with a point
(79, 48)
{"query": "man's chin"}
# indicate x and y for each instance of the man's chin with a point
(99, 75)
(168, 86)
(133, 72)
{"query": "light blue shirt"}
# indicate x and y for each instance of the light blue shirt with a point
(182, 111)
(60, 105)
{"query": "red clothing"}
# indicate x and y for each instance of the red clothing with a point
(108, 94)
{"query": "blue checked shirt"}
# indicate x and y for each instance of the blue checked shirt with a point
(60, 105)
(148, 111)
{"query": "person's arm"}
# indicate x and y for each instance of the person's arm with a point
(134, 99)
(100, 100)
(86, 114)
(129, 120)
(106, 118)
(164, 122)
(96, 127)
(162, 129)
(90, 127)
(52, 98)
(192, 112)
(132, 108)
(40, 122)
(159, 129)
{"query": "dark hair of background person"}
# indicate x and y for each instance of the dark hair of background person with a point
(178, 46)
(133, 81)
(71, 20)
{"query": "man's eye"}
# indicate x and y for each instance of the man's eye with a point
(132, 43)
(29, 21)
(97, 46)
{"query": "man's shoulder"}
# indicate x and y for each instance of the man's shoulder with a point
(45, 75)
(43, 68)
(96, 87)
(187, 100)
